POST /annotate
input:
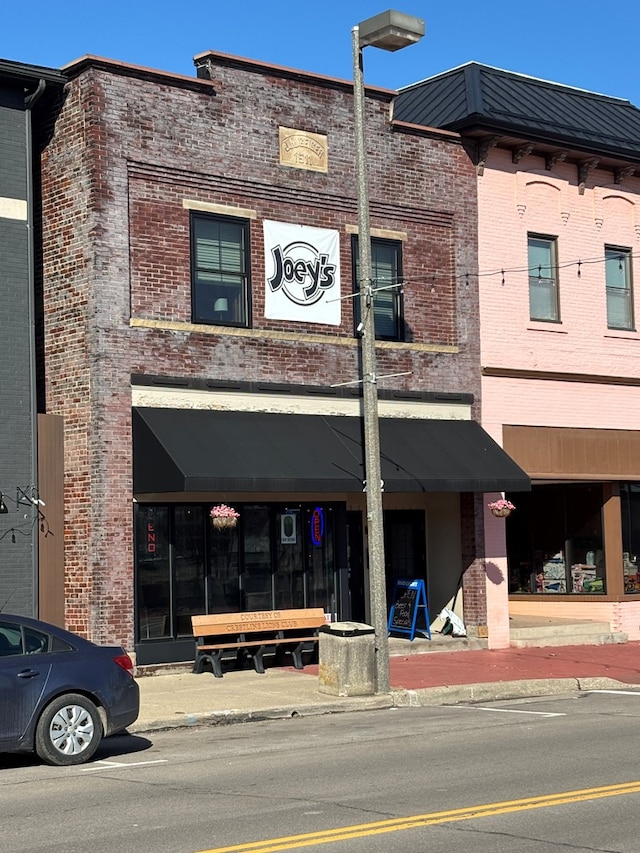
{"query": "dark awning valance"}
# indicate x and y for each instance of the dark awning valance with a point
(195, 450)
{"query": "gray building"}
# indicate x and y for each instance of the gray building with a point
(25, 93)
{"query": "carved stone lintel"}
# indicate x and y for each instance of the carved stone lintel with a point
(621, 174)
(550, 160)
(518, 153)
(584, 167)
(482, 151)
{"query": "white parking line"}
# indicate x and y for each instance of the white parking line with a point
(111, 765)
(617, 692)
(507, 711)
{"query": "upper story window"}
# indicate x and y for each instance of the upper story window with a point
(386, 271)
(617, 264)
(544, 303)
(219, 270)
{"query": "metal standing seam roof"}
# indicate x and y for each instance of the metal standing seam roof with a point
(475, 96)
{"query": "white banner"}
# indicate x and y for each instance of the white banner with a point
(302, 267)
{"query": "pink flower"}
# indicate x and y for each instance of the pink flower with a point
(501, 504)
(223, 511)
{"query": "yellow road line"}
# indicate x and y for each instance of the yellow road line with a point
(328, 836)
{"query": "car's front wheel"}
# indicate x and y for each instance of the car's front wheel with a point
(69, 730)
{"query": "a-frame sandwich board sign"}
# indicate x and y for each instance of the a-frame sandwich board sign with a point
(408, 603)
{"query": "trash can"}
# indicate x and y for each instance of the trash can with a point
(346, 659)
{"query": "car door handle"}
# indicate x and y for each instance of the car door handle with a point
(28, 673)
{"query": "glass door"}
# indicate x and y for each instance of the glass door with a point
(304, 544)
(290, 559)
(405, 546)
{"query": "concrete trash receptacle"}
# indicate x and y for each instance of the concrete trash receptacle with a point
(347, 659)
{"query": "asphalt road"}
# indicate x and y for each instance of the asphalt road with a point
(533, 776)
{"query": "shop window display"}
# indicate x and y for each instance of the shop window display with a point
(630, 501)
(554, 541)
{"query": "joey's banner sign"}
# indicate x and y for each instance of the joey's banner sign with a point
(302, 267)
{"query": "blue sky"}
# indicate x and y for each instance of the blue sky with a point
(568, 41)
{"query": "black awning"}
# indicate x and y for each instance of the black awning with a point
(194, 450)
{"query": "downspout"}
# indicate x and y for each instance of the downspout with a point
(29, 102)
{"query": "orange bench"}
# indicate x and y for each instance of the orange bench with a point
(232, 636)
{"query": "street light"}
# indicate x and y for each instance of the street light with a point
(390, 30)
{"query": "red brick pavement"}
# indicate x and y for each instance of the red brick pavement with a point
(620, 662)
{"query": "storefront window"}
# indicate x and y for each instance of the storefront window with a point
(188, 565)
(276, 557)
(257, 575)
(630, 501)
(554, 540)
(222, 582)
(153, 572)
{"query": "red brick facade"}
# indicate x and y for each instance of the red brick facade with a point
(129, 146)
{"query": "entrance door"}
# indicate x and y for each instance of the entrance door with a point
(404, 546)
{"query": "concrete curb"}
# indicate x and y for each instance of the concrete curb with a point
(492, 691)
(398, 698)
(232, 716)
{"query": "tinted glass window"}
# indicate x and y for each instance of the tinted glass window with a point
(35, 642)
(10, 640)
(58, 645)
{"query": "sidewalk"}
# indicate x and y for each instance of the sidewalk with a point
(178, 698)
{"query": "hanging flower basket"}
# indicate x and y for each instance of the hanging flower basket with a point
(224, 517)
(224, 523)
(501, 508)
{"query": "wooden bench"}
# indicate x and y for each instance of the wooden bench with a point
(232, 636)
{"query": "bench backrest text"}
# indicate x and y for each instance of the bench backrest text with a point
(257, 620)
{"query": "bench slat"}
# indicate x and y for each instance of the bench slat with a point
(276, 620)
(213, 634)
(264, 642)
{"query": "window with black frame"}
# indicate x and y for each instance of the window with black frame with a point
(630, 506)
(386, 272)
(617, 264)
(544, 303)
(219, 270)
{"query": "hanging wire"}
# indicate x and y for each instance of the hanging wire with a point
(448, 275)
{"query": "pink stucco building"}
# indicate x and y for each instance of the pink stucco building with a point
(558, 233)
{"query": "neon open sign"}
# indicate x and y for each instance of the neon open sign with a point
(317, 526)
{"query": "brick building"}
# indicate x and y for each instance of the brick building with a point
(200, 342)
(558, 210)
(25, 95)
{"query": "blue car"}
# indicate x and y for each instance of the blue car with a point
(59, 693)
